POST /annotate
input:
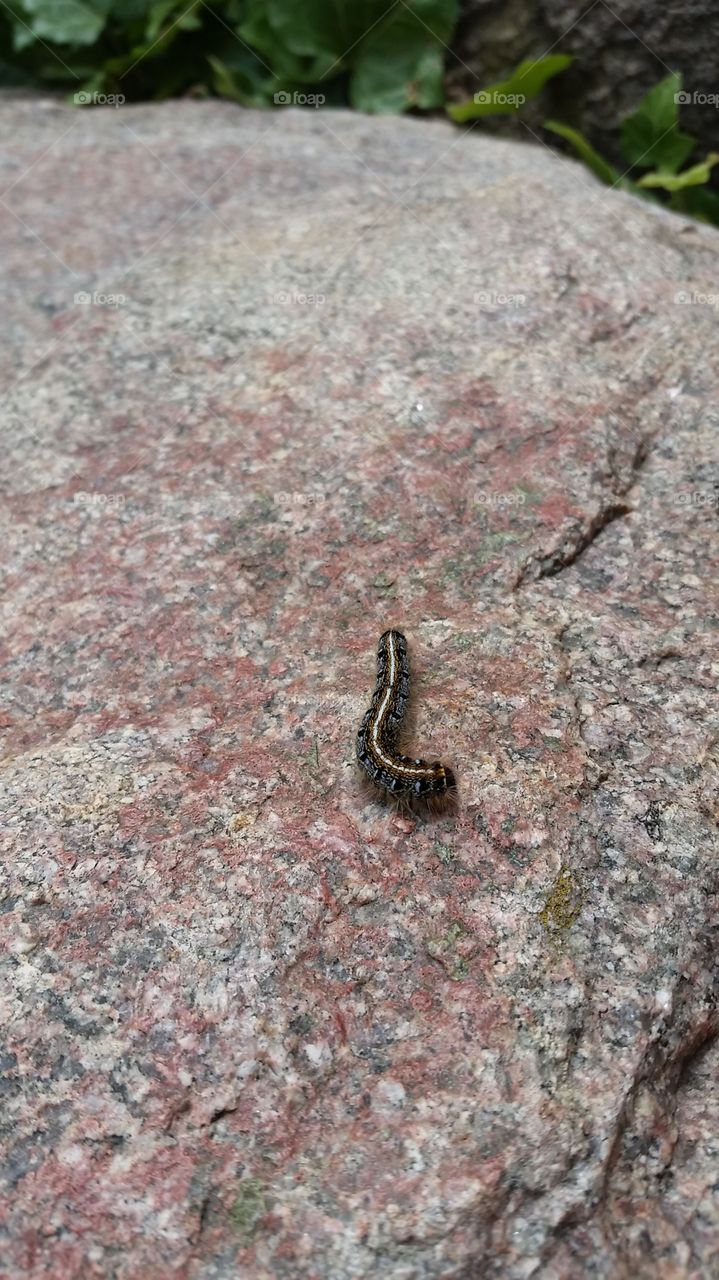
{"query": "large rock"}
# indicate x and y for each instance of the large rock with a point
(354, 373)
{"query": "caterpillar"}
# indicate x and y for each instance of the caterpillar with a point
(378, 751)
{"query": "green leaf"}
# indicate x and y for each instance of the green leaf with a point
(71, 22)
(400, 64)
(406, 77)
(651, 136)
(507, 96)
(299, 43)
(586, 152)
(694, 177)
(22, 36)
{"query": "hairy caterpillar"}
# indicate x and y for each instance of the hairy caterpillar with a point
(378, 751)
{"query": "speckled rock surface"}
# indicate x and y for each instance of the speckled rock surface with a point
(341, 374)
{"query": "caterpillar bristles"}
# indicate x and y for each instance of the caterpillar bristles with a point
(414, 785)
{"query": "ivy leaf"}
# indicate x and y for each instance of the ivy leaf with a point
(507, 96)
(70, 22)
(299, 43)
(651, 136)
(400, 63)
(694, 177)
(408, 77)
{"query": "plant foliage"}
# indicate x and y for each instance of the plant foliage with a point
(359, 52)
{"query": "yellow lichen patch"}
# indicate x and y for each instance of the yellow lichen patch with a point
(563, 905)
(114, 791)
(240, 821)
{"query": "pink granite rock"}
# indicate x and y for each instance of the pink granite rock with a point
(338, 374)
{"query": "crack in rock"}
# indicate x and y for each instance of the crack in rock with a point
(612, 507)
(563, 557)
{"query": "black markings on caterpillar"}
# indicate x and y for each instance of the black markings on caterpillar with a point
(378, 749)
